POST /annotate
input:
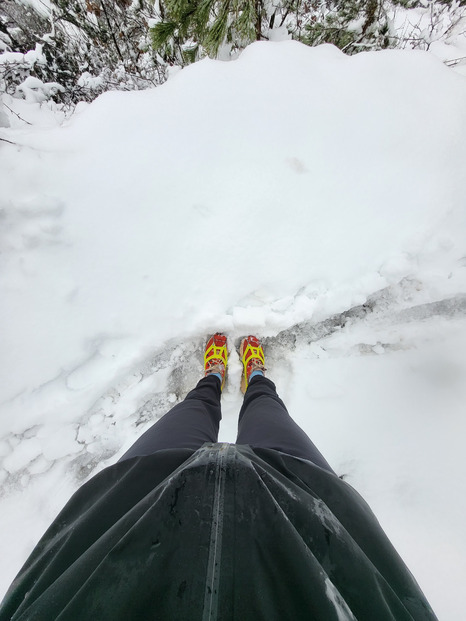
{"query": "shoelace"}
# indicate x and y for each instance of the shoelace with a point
(255, 365)
(215, 367)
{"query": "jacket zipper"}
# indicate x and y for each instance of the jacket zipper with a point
(210, 612)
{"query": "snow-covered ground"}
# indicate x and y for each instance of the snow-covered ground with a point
(313, 199)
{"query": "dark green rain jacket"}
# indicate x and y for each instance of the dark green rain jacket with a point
(223, 533)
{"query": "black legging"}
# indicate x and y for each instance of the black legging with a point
(263, 422)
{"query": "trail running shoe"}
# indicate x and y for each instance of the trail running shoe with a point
(252, 356)
(216, 356)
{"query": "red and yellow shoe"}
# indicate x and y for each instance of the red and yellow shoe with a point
(252, 356)
(216, 356)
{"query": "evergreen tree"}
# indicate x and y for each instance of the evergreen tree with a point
(189, 28)
(85, 47)
(351, 25)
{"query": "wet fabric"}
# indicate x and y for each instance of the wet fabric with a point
(222, 533)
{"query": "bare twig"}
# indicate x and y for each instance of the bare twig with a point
(16, 114)
(9, 141)
(285, 16)
(112, 33)
(454, 61)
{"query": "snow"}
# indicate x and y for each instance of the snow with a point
(36, 91)
(4, 122)
(314, 199)
(435, 27)
(30, 58)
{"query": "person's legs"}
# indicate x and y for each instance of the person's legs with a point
(189, 424)
(264, 422)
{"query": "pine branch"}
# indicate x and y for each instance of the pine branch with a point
(161, 33)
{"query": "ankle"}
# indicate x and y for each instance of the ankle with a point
(256, 372)
(219, 375)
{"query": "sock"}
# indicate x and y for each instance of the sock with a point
(216, 375)
(254, 373)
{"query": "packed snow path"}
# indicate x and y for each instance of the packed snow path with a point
(313, 199)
